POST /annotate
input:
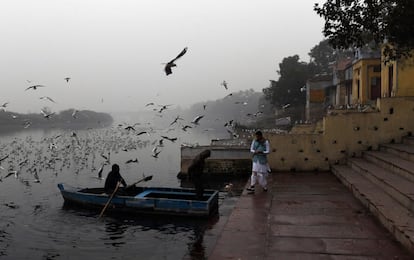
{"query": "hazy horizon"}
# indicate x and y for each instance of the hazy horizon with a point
(113, 50)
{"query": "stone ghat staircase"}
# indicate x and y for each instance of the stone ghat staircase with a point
(383, 181)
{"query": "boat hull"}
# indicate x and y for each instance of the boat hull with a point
(145, 200)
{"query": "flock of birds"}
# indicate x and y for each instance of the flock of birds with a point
(27, 159)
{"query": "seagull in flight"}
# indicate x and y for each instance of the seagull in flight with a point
(4, 158)
(27, 124)
(171, 63)
(46, 115)
(132, 161)
(100, 171)
(129, 128)
(143, 132)
(107, 158)
(74, 113)
(150, 104)
(155, 152)
(67, 79)
(172, 139)
(4, 105)
(15, 173)
(163, 107)
(224, 84)
(176, 120)
(285, 106)
(196, 120)
(34, 87)
(184, 128)
(47, 98)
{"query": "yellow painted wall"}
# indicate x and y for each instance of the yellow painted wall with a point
(342, 134)
(363, 71)
(405, 78)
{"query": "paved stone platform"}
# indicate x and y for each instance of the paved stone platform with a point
(304, 216)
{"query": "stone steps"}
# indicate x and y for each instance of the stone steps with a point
(404, 151)
(398, 219)
(399, 188)
(408, 140)
(384, 182)
(394, 163)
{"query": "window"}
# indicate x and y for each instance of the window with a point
(377, 68)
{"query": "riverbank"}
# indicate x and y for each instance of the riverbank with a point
(303, 216)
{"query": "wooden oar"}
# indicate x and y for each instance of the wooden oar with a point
(148, 178)
(110, 198)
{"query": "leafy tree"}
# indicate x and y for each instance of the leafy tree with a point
(323, 54)
(356, 23)
(293, 75)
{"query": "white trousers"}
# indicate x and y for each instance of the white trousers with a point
(260, 177)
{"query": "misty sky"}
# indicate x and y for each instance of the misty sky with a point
(113, 50)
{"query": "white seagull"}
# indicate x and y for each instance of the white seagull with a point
(46, 115)
(47, 98)
(224, 84)
(34, 87)
(197, 119)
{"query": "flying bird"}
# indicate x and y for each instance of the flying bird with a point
(132, 161)
(46, 115)
(143, 132)
(100, 171)
(129, 128)
(163, 107)
(74, 113)
(15, 173)
(258, 113)
(224, 84)
(204, 107)
(155, 152)
(150, 104)
(34, 87)
(67, 79)
(27, 124)
(4, 158)
(184, 128)
(36, 176)
(171, 63)
(172, 139)
(47, 98)
(107, 158)
(230, 123)
(196, 120)
(4, 105)
(285, 106)
(176, 120)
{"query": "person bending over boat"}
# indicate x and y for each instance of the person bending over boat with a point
(112, 180)
(195, 172)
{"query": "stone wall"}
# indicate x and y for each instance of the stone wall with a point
(343, 133)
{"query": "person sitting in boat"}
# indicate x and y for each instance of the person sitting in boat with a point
(112, 180)
(195, 172)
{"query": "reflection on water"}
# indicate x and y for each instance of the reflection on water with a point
(34, 224)
(115, 231)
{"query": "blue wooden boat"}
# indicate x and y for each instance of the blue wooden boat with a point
(152, 200)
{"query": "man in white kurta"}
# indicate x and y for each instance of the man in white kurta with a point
(260, 148)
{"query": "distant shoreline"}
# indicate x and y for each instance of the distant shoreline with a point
(84, 119)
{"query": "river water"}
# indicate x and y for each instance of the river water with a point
(34, 224)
